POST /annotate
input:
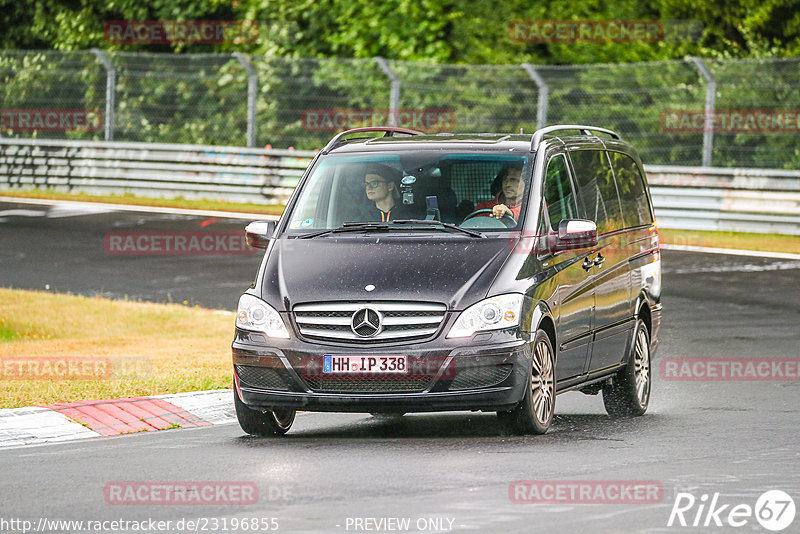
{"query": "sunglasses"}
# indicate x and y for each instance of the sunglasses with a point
(374, 184)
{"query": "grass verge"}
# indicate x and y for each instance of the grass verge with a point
(115, 348)
(219, 205)
(735, 240)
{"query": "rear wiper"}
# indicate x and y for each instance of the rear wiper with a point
(349, 227)
(430, 223)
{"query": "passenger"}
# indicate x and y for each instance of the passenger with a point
(509, 198)
(382, 186)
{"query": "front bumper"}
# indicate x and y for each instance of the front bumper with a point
(488, 375)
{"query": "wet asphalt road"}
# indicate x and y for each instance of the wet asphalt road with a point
(738, 439)
(66, 249)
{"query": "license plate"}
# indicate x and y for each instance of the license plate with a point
(390, 365)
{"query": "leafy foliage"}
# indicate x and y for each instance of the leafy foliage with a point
(452, 31)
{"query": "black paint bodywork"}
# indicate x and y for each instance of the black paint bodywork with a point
(590, 315)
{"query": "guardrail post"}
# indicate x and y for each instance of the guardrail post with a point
(394, 96)
(544, 95)
(252, 92)
(111, 91)
(711, 95)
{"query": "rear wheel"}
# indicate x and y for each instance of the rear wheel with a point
(628, 392)
(263, 422)
(534, 413)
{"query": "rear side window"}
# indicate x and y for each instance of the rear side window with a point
(632, 193)
(597, 191)
(558, 192)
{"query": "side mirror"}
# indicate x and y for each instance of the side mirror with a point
(258, 233)
(576, 233)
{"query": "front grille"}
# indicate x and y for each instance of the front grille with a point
(400, 321)
(261, 377)
(367, 385)
(480, 377)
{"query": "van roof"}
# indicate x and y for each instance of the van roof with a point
(478, 142)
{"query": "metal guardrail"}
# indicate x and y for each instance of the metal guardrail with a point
(691, 198)
(731, 200)
(145, 169)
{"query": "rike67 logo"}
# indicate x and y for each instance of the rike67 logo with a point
(774, 510)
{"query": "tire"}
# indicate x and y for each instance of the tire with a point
(534, 413)
(263, 422)
(627, 394)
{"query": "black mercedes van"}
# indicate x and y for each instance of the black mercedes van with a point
(414, 272)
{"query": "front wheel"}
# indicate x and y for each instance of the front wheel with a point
(628, 392)
(534, 413)
(263, 422)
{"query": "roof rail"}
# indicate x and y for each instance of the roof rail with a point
(540, 133)
(389, 131)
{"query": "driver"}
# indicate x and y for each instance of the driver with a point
(382, 189)
(508, 200)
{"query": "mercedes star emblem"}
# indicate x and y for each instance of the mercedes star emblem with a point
(366, 322)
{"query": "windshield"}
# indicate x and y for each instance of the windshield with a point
(416, 185)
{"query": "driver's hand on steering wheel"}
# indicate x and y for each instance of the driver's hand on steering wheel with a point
(500, 210)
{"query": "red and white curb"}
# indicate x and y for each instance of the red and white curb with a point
(91, 419)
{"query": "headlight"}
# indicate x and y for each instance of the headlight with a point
(255, 314)
(494, 313)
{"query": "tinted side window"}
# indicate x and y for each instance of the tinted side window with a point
(632, 193)
(558, 192)
(596, 189)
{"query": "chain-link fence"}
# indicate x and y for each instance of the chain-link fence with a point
(727, 113)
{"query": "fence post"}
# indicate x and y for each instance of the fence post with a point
(111, 91)
(394, 96)
(252, 92)
(544, 95)
(711, 95)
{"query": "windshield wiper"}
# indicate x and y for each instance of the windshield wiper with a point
(430, 223)
(418, 224)
(349, 227)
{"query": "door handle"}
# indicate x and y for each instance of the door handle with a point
(599, 260)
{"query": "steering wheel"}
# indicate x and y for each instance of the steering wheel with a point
(506, 219)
